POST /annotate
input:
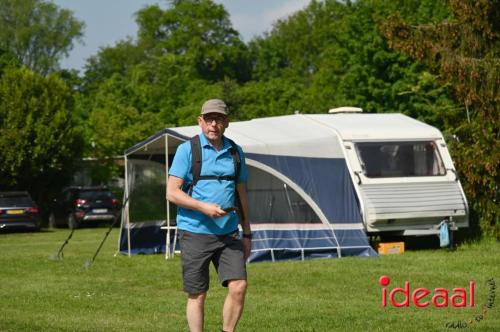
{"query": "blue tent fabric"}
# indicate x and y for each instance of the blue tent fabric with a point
(325, 180)
(272, 245)
(146, 240)
(290, 239)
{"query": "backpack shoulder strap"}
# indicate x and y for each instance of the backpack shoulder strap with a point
(195, 161)
(236, 158)
(237, 167)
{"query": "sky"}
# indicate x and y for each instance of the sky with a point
(108, 21)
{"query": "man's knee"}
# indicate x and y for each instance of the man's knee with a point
(200, 297)
(237, 287)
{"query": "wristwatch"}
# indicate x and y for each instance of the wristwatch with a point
(247, 236)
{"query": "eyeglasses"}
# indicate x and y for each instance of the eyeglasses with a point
(219, 119)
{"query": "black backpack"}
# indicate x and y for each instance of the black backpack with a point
(196, 163)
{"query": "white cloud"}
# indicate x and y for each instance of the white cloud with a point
(252, 24)
(285, 10)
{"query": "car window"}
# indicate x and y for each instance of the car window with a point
(95, 194)
(16, 201)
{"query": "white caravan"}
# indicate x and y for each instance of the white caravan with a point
(403, 173)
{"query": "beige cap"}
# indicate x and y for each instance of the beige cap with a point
(214, 106)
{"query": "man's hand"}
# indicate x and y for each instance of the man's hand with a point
(213, 210)
(247, 247)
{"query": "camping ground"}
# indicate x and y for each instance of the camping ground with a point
(143, 293)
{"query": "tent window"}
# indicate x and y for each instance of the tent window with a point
(273, 201)
(147, 191)
(400, 159)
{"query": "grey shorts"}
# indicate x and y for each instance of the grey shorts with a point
(198, 250)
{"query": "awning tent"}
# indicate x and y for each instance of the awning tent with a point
(302, 200)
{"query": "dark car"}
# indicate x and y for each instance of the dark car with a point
(18, 210)
(78, 206)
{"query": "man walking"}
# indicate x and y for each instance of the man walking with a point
(207, 183)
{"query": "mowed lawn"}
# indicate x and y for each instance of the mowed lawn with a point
(143, 293)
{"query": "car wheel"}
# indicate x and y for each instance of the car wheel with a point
(52, 220)
(72, 223)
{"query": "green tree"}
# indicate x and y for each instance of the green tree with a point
(199, 31)
(465, 53)
(335, 55)
(114, 60)
(162, 79)
(38, 140)
(7, 59)
(37, 33)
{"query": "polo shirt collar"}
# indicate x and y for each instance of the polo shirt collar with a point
(204, 142)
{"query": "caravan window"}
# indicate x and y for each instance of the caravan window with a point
(400, 159)
(273, 201)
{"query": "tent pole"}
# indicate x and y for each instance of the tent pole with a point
(126, 207)
(124, 199)
(288, 199)
(167, 249)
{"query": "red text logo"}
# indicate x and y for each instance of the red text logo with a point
(422, 297)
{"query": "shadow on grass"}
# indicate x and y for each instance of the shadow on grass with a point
(14, 230)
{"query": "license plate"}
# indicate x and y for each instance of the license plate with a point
(100, 210)
(15, 211)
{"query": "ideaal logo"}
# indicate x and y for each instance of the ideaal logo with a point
(440, 297)
(423, 297)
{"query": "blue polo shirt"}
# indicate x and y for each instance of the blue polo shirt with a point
(220, 192)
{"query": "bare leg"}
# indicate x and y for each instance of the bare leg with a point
(233, 306)
(195, 311)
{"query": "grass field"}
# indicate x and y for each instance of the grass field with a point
(143, 293)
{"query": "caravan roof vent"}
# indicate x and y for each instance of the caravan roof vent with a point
(345, 109)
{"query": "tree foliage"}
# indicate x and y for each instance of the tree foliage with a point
(465, 53)
(37, 33)
(7, 59)
(335, 54)
(198, 31)
(39, 143)
(180, 55)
